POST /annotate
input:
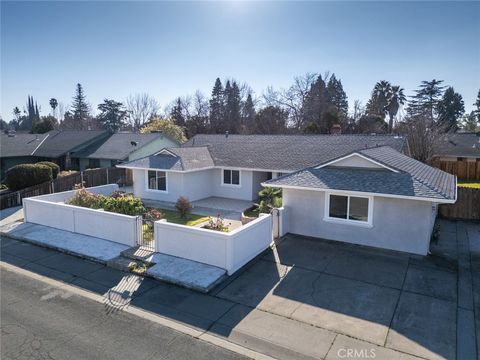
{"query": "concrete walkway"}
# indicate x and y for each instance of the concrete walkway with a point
(11, 215)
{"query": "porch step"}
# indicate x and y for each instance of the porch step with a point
(139, 253)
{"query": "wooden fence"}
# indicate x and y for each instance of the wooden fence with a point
(464, 169)
(89, 178)
(467, 206)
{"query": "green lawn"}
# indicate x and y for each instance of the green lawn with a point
(173, 216)
(475, 185)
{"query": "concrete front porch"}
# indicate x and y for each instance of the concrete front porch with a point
(211, 206)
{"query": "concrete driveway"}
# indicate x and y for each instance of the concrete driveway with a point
(364, 298)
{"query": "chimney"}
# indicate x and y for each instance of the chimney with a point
(336, 129)
(226, 134)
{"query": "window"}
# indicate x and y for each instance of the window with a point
(231, 177)
(157, 180)
(349, 208)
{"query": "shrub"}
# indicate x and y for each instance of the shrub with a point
(152, 214)
(118, 194)
(55, 168)
(25, 175)
(216, 224)
(269, 198)
(85, 198)
(127, 205)
(183, 206)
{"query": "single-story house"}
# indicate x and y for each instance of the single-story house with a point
(18, 148)
(121, 147)
(458, 154)
(354, 188)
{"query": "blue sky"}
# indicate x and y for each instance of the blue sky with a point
(168, 49)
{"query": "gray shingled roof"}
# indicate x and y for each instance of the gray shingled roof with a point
(59, 142)
(177, 159)
(117, 147)
(286, 152)
(413, 179)
(458, 145)
(20, 144)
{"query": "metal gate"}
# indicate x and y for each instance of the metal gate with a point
(145, 234)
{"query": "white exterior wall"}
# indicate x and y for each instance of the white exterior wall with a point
(174, 187)
(228, 251)
(398, 224)
(258, 178)
(50, 210)
(152, 147)
(242, 192)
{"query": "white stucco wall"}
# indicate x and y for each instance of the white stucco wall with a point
(198, 185)
(152, 147)
(258, 178)
(398, 224)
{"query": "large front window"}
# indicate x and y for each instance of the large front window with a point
(349, 208)
(231, 177)
(157, 180)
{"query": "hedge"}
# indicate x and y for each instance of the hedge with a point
(25, 175)
(55, 168)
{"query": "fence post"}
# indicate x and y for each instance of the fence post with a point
(19, 198)
(108, 182)
(81, 178)
(52, 188)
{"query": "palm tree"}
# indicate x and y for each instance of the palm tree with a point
(53, 105)
(395, 98)
(379, 100)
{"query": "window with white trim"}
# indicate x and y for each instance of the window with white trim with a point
(349, 208)
(231, 177)
(157, 180)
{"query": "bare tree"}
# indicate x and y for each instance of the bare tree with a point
(141, 108)
(422, 136)
(293, 98)
(200, 105)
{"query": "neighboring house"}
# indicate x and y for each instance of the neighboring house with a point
(121, 147)
(61, 145)
(18, 148)
(458, 154)
(355, 188)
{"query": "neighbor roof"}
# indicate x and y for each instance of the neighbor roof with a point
(118, 146)
(176, 159)
(59, 142)
(413, 179)
(20, 144)
(286, 152)
(458, 145)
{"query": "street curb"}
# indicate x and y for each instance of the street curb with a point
(184, 329)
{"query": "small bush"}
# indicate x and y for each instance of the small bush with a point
(25, 175)
(183, 206)
(152, 214)
(55, 168)
(127, 205)
(85, 198)
(216, 224)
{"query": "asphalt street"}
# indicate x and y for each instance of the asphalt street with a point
(40, 321)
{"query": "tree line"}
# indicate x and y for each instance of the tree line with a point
(313, 104)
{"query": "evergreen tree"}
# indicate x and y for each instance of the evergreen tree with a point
(395, 99)
(337, 96)
(378, 102)
(232, 107)
(80, 109)
(217, 108)
(177, 113)
(248, 117)
(315, 106)
(450, 109)
(426, 99)
(112, 115)
(477, 107)
(469, 122)
(271, 120)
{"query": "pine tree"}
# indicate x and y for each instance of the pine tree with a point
(248, 116)
(232, 107)
(315, 106)
(337, 96)
(112, 115)
(477, 106)
(177, 113)
(450, 109)
(80, 109)
(425, 101)
(217, 108)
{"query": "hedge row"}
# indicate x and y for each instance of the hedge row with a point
(25, 175)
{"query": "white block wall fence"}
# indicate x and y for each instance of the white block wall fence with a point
(50, 210)
(229, 251)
